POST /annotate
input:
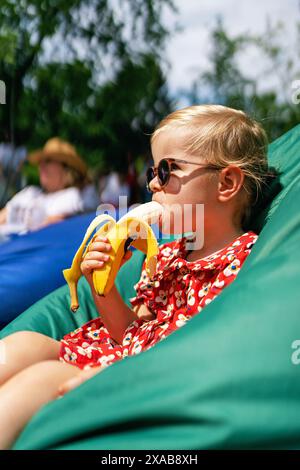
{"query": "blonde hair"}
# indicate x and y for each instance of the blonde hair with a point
(224, 136)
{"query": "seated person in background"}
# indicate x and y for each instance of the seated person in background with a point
(112, 186)
(63, 190)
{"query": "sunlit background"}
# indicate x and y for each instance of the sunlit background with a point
(102, 73)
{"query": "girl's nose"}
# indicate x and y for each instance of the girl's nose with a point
(154, 185)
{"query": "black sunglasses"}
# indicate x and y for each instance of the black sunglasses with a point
(163, 171)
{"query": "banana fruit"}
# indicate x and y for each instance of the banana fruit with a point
(131, 230)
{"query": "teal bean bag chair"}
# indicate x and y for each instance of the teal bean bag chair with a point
(229, 379)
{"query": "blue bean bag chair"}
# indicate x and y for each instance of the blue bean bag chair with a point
(229, 379)
(31, 265)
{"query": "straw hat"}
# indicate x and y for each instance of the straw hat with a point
(60, 151)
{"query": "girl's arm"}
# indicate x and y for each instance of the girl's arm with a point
(114, 313)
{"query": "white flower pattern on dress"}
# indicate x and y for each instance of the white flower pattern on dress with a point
(166, 252)
(205, 288)
(162, 297)
(137, 347)
(85, 351)
(127, 339)
(191, 297)
(181, 320)
(105, 361)
(233, 268)
(70, 356)
(219, 283)
(93, 334)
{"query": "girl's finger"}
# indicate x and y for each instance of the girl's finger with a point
(100, 238)
(89, 265)
(99, 246)
(96, 255)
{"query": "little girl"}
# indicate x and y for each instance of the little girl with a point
(209, 155)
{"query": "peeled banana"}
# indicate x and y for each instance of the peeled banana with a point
(132, 229)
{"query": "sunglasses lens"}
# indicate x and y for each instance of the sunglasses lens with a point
(163, 172)
(149, 177)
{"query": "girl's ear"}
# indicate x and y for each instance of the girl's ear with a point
(231, 180)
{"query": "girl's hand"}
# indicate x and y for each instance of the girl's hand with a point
(74, 382)
(97, 256)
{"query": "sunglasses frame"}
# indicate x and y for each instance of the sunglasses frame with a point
(155, 170)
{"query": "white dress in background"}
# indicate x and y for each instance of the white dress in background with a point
(30, 207)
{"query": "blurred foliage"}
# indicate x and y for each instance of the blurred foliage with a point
(226, 84)
(91, 71)
(106, 123)
(8, 44)
(86, 70)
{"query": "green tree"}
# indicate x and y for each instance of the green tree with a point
(95, 32)
(127, 109)
(224, 83)
(107, 122)
(86, 70)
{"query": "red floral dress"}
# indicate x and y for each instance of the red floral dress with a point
(179, 290)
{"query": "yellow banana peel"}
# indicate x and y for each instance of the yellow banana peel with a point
(130, 230)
